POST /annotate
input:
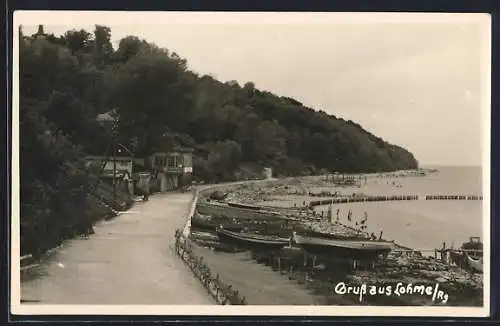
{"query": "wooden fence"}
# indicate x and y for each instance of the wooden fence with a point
(222, 293)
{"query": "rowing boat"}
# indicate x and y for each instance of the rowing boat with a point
(223, 209)
(252, 241)
(246, 206)
(345, 248)
(204, 222)
(475, 264)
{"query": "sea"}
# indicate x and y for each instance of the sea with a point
(423, 224)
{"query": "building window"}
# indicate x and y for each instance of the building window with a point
(171, 161)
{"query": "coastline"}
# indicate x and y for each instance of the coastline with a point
(221, 261)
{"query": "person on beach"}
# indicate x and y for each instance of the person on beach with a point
(362, 223)
(364, 220)
(145, 193)
(290, 241)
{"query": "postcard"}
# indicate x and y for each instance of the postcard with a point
(216, 163)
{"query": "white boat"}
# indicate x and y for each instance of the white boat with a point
(348, 248)
(475, 264)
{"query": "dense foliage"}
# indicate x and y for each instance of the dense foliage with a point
(66, 81)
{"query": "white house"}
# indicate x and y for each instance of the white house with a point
(123, 165)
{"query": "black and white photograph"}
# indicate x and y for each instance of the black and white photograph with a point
(230, 163)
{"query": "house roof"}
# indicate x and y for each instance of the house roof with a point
(186, 150)
(118, 158)
(107, 116)
(176, 150)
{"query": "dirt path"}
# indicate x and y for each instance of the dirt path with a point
(129, 260)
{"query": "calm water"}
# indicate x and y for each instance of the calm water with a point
(424, 224)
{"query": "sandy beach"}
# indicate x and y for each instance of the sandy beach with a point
(419, 224)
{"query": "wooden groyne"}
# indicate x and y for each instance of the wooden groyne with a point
(453, 197)
(358, 199)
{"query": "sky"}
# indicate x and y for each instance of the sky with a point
(415, 83)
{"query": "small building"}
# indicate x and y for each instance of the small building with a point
(173, 169)
(123, 165)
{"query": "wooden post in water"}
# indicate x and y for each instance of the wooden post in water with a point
(305, 258)
(443, 253)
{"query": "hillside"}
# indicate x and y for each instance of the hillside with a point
(66, 81)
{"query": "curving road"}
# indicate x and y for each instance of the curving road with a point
(129, 260)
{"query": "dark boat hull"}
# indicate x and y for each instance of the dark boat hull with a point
(201, 223)
(322, 235)
(339, 248)
(458, 258)
(245, 206)
(248, 242)
(343, 252)
(237, 212)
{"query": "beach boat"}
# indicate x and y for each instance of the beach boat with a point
(335, 236)
(204, 222)
(252, 241)
(475, 264)
(218, 195)
(246, 206)
(219, 209)
(343, 248)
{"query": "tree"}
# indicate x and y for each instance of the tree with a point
(78, 41)
(66, 81)
(153, 96)
(128, 47)
(103, 47)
